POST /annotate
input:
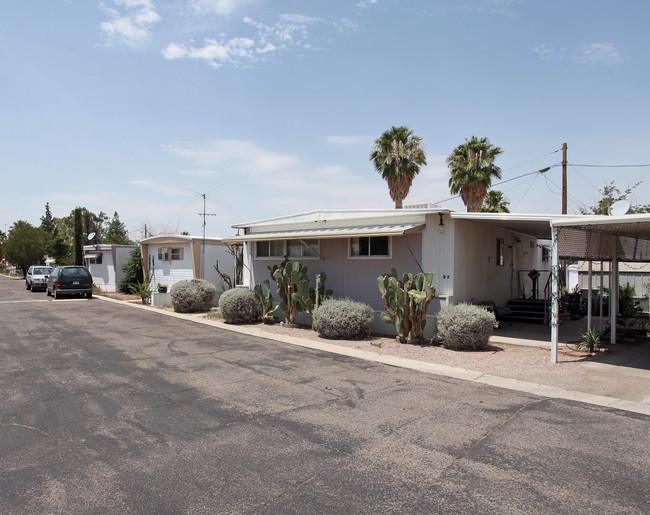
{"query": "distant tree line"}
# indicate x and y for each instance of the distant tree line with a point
(60, 238)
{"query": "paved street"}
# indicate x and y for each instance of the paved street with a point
(109, 409)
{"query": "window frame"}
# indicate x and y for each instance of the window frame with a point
(285, 249)
(389, 244)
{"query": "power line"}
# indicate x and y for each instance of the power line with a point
(611, 166)
(542, 171)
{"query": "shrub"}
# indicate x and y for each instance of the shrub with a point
(465, 327)
(193, 296)
(240, 306)
(343, 319)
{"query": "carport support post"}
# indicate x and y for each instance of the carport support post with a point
(589, 292)
(613, 297)
(555, 297)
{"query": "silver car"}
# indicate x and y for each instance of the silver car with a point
(36, 277)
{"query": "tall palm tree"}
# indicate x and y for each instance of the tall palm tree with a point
(397, 155)
(472, 168)
(495, 202)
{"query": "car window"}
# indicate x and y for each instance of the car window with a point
(75, 273)
(41, 271)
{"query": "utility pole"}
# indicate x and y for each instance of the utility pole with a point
(564, 163)
(204, 214)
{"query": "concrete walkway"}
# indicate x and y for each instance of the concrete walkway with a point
(455, 372)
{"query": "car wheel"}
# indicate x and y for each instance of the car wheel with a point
(27, 287)
(47, 292)
(54, 294)
(89, 295)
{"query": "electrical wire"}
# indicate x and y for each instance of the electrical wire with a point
(611, 166)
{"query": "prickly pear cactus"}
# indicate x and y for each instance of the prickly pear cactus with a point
(406, 302)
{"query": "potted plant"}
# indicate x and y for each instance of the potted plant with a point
(162, 288)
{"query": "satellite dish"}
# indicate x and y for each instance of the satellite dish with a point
(619, 208)
(91, 236)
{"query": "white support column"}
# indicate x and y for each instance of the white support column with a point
(613, 297)
(555, 295)
(589, 294)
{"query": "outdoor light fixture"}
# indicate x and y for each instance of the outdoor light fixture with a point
(441, 225)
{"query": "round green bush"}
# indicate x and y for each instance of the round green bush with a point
(193, 296)
(465, 327)
(343, 319)
(240, 306)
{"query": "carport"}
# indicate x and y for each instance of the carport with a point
(596, 238)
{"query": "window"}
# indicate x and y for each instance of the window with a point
(302, 248)
(500, 257)
(96, 260)
(269, 249)
(546, 254)
(370, 246)
(170, 254)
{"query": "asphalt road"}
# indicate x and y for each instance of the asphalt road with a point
(109, 409)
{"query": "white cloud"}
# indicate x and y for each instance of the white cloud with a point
(543, 50)
(289, 30)
(599, 53)
(213, 52)
(218, 7)
(283, 182)
(591, 53)
(228, 156)
(130, 22)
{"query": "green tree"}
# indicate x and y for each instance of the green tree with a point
(116, 232)
(611, 193)
(133, 273)
(78, 237)
(47, 221)
(495, 202)
(398, 155)
(25, 245)
(472, 169)
(3, 239)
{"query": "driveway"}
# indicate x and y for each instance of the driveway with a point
(104, 408)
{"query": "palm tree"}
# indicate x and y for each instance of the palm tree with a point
(472, 169)
(397, 155)
(495, 202)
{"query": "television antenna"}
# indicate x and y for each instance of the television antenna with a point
(204, 197)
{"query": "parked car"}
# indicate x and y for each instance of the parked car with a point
(36, 277)
(70, 280)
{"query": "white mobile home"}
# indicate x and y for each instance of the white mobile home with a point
(173, 258)
(105, 264)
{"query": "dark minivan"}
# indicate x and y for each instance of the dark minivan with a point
(70, 280)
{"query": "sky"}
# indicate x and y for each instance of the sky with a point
(270, 107)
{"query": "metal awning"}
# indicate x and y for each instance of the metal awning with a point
(324, 233)
(91, 256)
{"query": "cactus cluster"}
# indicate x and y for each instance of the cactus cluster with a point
(406, 302)
(294, 291)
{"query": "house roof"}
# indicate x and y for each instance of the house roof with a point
(360, 216)
(179, 238)
(330, 232)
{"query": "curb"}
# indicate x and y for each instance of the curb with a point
(550, 392)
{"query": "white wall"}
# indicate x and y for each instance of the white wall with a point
(170, 272)
(477, 274)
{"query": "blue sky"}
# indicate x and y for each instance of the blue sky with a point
(271, 106)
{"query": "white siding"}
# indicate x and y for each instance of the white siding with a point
(477, 274)
(170, 272)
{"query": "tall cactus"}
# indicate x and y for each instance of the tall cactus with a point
(291, 278)
(406, 302)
